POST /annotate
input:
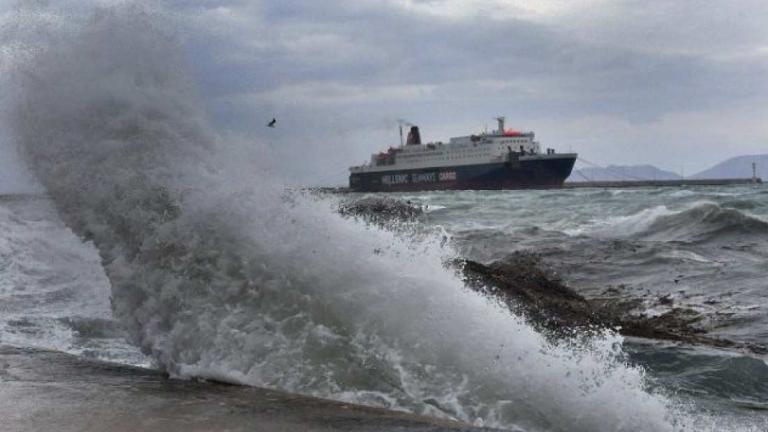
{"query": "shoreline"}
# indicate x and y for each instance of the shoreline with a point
(49, 390)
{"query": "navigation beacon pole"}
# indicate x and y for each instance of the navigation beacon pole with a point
(754, 172)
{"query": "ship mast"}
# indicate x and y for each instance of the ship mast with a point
(401, 123)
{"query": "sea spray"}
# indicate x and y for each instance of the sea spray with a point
(216, 272)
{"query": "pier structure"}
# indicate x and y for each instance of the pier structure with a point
(662, 183)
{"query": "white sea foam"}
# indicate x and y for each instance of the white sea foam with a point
(214, 278)
(433, 208)
(621, 226)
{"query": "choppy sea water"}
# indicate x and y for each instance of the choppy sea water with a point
(703, 248)
(53, 291)
(711, 257)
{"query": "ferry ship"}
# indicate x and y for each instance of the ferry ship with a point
(502, 159)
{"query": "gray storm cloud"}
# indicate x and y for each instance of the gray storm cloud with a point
(676, 84)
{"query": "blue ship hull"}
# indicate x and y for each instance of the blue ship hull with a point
(526, 173)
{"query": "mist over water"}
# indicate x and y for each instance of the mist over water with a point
(217, 272)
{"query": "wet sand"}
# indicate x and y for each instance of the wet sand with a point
(52, 391)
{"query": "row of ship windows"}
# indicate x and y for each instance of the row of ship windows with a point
(463, 154)
(454, 158)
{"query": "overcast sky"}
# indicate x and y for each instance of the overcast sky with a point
(679, 84)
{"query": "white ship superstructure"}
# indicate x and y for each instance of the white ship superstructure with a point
(465, 150)
(502, 159)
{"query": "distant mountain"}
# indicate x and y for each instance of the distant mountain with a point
(737, 167)
(621, 172)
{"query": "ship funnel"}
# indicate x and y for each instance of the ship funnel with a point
(413, 136)
(501, 124)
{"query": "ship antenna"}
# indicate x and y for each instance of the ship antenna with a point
(401, 123)
(501, 124)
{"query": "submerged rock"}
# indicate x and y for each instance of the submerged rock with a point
(527, 290)
(381, 210)
(548, 304)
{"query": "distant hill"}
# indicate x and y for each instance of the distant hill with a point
(621, 172)
(737, 167)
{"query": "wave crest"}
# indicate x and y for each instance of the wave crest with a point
(702, 221)
(705, 221)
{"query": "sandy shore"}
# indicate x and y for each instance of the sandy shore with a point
(52, 391)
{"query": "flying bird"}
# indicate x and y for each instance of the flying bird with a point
(272, 123)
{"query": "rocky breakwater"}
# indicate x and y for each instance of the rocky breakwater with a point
(381, 210)
(521, 283)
